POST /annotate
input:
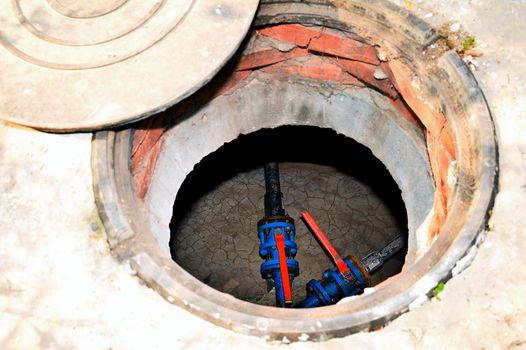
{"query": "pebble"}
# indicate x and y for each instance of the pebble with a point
(382, 56)
(455, 27)
(379, 74)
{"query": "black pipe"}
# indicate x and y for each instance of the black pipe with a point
(273, 195)
(373, 261)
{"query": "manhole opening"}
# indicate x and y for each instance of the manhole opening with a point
(371, 72)
(216, 211)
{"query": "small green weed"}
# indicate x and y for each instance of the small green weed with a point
(409, 5)
(469, 43)
(438, 289)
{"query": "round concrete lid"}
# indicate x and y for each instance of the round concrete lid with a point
(73, 65)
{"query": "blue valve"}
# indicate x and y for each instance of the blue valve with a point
(276, 235)
(333, 286)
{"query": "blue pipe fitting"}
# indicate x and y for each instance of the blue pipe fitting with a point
(270, 268)
(333, 286)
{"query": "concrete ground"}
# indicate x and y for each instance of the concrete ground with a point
(61, 289)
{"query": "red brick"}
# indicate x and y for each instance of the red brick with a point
(446, 140)
(144, 176)
(138, 139)
(221, 84)
(439, 216)
(344, 47)
(267, 57)
(440, 161)
(387, 70)
(315, 68)
(144, 140)
(402, 78)
(406, 112)
(233, 80)
(322, 42)
(292, 33)
(365, 72)
(146, 146)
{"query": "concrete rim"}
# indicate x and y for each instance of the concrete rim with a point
(468, 114)
(353, 113)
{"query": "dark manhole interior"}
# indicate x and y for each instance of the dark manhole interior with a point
(344, 186)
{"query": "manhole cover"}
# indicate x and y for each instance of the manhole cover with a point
(81, 65)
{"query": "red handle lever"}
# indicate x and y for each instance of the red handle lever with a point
(342, 266)
(283, 268)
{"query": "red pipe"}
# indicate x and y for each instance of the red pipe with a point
(342, 266)
(285, 280)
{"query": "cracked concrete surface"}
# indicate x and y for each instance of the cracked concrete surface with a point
(61, 289)
(353, 216)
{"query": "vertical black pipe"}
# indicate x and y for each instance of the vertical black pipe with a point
(273, 195)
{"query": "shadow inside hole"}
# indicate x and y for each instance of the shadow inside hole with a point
(347, 190)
